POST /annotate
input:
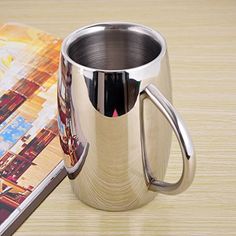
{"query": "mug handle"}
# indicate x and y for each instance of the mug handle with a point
(184, 139)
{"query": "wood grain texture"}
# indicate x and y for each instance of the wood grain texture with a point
(201, 37)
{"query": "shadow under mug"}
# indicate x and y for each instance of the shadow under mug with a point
(115, 116)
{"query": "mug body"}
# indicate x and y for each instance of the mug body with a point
(103, 70)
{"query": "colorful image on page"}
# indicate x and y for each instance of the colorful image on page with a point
(28, 126)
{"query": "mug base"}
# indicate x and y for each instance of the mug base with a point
(114, 206)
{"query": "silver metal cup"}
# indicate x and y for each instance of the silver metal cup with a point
(115, 116)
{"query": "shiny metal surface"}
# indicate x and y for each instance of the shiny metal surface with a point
(104, 71)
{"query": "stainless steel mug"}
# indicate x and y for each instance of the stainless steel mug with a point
(115, 116)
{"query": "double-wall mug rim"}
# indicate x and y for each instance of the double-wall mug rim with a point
(137, 28)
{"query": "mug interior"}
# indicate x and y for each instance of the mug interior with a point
(114, 48)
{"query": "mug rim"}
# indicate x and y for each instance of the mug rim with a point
(139, 28)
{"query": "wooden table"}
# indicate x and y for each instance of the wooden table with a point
(201, 37)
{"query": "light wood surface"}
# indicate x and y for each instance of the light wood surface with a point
(201, 37)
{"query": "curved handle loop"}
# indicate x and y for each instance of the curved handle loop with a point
(184, 139)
